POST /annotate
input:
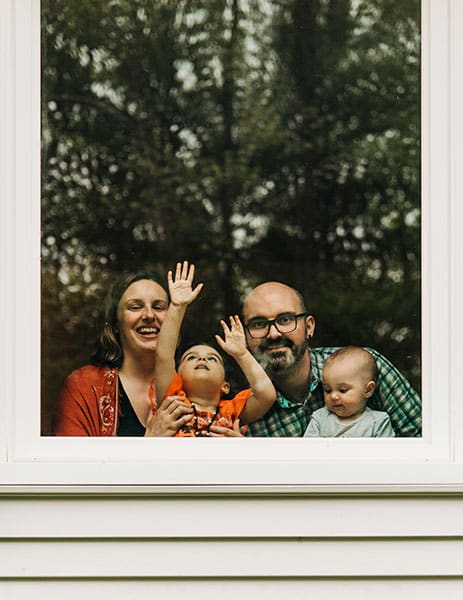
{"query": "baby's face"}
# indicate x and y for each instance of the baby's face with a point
(202, 363)
(344, 389)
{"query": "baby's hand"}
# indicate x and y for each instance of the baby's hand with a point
(181, 288)
(235, 340)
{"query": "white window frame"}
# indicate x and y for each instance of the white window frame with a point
(29, 461)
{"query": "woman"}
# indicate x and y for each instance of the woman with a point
(114, 396)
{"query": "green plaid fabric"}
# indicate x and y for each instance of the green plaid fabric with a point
(393, 394)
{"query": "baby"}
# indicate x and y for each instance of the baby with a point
(349, 380)
(201, 373)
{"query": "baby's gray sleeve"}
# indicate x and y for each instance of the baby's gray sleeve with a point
(313, 428)
(383, 427)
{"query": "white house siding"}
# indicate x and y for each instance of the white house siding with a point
(296, 589)
(111, 546)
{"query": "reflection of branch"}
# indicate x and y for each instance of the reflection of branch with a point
(100, 105)
(138, 132)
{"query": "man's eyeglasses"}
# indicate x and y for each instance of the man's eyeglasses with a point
(259, 328)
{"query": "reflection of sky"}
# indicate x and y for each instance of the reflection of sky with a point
(249, 229)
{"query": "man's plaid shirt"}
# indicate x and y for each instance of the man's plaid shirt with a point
(393, 394)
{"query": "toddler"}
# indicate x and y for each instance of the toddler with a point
(201, 373)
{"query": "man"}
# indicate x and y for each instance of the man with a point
(278, 331)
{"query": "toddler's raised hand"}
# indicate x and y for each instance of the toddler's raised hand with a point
(181, 286)
(235, 340)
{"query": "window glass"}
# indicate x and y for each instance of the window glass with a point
(260, 140)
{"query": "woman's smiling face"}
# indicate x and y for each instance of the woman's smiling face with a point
(140, 314)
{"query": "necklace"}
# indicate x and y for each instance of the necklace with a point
(203, 429)
(152, 396)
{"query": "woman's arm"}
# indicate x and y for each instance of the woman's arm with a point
(170, 416)
(87, 394)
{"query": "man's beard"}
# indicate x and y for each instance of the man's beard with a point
(278, 362)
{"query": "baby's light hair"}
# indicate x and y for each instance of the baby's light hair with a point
(364, 355)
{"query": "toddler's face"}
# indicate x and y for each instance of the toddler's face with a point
(202, 363)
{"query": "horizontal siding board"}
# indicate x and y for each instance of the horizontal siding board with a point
(231, 558)
(174, 517)
(230, 589)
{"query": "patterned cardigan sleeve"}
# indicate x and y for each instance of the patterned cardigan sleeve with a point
(88, 404)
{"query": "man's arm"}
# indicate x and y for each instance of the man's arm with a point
(395, 395)
(181, 295)
(263, 391)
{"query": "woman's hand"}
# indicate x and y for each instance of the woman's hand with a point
(171, 414)
(216, 431)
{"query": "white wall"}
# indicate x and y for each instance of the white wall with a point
(231, 545)
(390, 524)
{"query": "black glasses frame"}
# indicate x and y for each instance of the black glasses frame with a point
(270, 322)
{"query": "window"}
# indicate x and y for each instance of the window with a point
(254, 463)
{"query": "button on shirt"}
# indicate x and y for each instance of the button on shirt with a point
(393, 394)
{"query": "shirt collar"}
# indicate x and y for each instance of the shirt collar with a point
(314, 381)
(313, 384)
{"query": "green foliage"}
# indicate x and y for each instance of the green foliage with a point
(259, 139)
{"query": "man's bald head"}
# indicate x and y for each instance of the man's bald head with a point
(270, 290)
